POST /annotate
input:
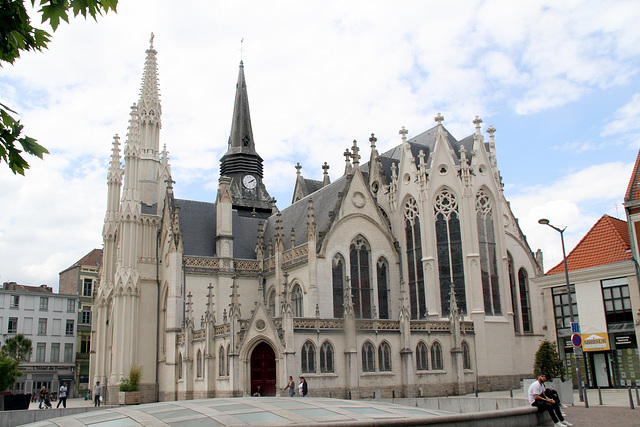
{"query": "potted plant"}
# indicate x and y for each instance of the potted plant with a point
(14, 351)
(130, 387)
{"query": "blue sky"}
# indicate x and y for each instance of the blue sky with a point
(558, 80)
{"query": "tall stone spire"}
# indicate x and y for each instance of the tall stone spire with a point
(149, 107)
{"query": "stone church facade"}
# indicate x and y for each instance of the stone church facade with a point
(408, 275)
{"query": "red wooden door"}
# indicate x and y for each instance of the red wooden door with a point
(263, 369)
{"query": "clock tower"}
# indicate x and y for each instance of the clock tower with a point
(241, 162)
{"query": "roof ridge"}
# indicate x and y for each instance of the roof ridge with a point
(615, 229)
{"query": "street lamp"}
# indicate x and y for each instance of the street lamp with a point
(545, 221)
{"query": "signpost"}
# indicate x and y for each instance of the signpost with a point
(575, 328)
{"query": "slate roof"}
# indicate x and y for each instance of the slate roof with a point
(633, 192)
(606, 243)
(13, 286)
(198, 228)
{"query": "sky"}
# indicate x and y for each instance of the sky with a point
(558, 80)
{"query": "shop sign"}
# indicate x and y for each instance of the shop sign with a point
(595, 342)
(625, 341)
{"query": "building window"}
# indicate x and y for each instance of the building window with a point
(449, 248)
(436, 356)
(12, 327)
(15, 301)
(514, 293)
(55, 352)
(86, 315)
(337, 275)
(466, 356)
(70, 329)
(417, 295)
(296, 301)
(222, 363)
(42, 326)
(384, 357)
(326, 358)
(71, 305)
(41, 350)
(361, 291)
(44, 303)
(488, 258)
(85, 344)
(368, 357)
(68, 353)
(617, 302)
(87, 286)
(561, 306)
(272, 303)
(179, 366)
(199, 365)
(228, 360)
(525, 306)
(422, 359)
(308, 357)
(383, 288)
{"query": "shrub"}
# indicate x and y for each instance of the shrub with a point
(548, 361)
(132, 382)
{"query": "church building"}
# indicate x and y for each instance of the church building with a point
(408, 275)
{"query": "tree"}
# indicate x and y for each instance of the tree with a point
(14, 351)
(548, 361)
(18, 35)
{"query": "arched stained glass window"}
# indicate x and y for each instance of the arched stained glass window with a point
(384, 357)
(436, 357)
(338, 276)
(308, 357)
(359, 258)
(383, 288)
(514, 293)
(449, 248)
(368, 357)
(488, 257)
(326, 358)
(525, 306)
(296, 301)
(417, 295)
(422, 358)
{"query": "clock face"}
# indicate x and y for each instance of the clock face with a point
(249, 181)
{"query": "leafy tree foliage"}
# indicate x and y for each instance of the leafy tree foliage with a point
(14, 351)
(548, 361)
(132, 382)
(18, 35)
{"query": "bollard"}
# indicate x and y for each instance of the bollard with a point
(637, 396)
(329, 395)
(511, 393)
(631, 399)
(600, 395)
(586, 399)
(393, 394)
(476, 393)
(349, 394)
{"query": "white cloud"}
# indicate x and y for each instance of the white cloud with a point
(626, 118)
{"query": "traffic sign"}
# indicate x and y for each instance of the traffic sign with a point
(577, 351)
(576, 340)
(575, 328)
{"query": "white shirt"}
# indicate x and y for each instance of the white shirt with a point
(63, 391)
(535, 388)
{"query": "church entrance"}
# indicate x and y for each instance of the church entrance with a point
(263, 369)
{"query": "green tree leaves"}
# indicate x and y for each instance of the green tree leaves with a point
(14, 351)
(548, 361)
(17, 35)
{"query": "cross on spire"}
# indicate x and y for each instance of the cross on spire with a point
(477, 122)
(347, 155)
(241, 49)
(439, 118)
(355, 156)
(325, 168)
(151, 41)
(298, 167)
(373, 141)
(404, 133)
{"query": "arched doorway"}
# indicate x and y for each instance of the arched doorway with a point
(263, 369)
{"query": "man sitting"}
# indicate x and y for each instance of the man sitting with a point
(538, 398)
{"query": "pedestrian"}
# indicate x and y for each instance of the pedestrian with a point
(291, 386)
(258, 392)
(62, 396)
(41, 394)
(302, 387)
(97, 394)
(538, 398)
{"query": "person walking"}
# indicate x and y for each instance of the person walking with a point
(291, 386)
(97, 394)
(41, 394)
(62, 396)
(302, 387)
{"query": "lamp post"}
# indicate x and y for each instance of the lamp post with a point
(545, 221)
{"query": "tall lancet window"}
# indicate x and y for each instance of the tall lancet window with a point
(525, 306)
(296, 301)
(514, 292)
(449, 247)
(338, 277)
(383, 288)
(359, 256)
(488, 258)
(414, 259)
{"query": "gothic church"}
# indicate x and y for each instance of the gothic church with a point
(408, 275)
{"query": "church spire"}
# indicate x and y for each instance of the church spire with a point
(149, 103)
(241, 138)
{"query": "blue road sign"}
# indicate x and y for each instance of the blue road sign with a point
(576, 339)
(575, 328)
